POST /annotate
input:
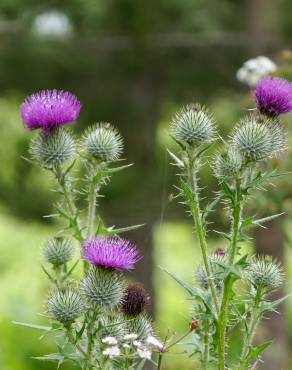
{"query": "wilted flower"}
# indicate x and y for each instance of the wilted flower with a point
(110, 340)
(253, 70)
(274, 96)
(48, 109)
(193, 124)
(103, 142)
(144, 353)
(112, 352)
(135, 299)
(103, 287)
(66, 305)
(111, 253)
(58, 251)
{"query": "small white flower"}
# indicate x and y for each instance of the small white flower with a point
(137, 343)
(127, 346)
(253, 70)
(110, 340)
(144, 353)
(112, 352)
(131, 336)
(154, 342)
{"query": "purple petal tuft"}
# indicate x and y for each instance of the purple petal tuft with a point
(112, 253)
(48, 109)
(274, 96)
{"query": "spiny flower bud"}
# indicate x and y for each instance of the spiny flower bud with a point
(258, 139)
(113, 326)
(58, 251)
(66, 305)
(135, 299)
(264, 272)
(193, 124)
(103, 287)
(226, 166)
(54, 149)
(217, 263)
(103, 142)
(141, 325)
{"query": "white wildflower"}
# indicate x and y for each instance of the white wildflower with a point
(110, 340)
(126, 346)
(137, 343)
(112, 352)
(131, 336)
(144, 353)
(154, 342)
(253, 70)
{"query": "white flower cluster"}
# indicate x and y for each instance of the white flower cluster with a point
(253, 70)
(130, 341)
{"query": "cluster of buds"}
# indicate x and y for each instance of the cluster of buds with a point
(107, 308)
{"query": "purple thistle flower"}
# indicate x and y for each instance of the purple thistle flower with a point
(48, 109)
(112, 253)
(274, 96)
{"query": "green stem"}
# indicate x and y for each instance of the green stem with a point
(254, 320)
(223, 316)
(73, 342)
(69, 202)
(206, 348)
(159, 363)
(196, 213)
(93, 189)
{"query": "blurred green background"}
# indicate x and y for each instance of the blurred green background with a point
(133, 64)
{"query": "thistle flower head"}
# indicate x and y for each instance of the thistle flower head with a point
(265, 272)
(103, 287)
(141, 325)
(48, 109)
(135, 299)
(66, 305)
(273, 96)
(111, 253)
(258, 139)
(227, 165)
(103, 142)
(53, 150)
(217, 263)
(58, 251)
(193, 124)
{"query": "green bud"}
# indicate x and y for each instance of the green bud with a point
(54, 149)
(140, 325)
(66, 305)
(193, 124)
(103, 287)
(227, 165)
(103, 142)
(58, 251)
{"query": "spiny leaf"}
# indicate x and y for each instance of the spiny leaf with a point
(33, 326)
(255, 352)
(112, 231)
(271, 306)
(178, 161)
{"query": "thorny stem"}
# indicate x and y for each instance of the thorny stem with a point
(251, 328)
(197, 216)
(74, 221)
(73, 342)
(206, 348)
(223, 316)
(92, 195)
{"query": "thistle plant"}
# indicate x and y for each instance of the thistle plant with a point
(99, 317)
(231, 289)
